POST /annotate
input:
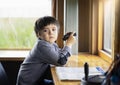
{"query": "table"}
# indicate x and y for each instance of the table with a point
(78, 61)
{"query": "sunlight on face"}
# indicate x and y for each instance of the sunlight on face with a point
(49, 33)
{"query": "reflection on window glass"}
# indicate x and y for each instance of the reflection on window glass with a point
(17, 19)
(108, 25)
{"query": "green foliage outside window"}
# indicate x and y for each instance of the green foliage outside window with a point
(17, 33)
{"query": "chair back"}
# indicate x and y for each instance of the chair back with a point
(3, 76)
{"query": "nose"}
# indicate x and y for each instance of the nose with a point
(50, 32)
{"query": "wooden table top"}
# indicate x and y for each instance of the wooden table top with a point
(78, 61)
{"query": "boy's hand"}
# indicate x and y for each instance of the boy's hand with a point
(71, 40)
(66, 36)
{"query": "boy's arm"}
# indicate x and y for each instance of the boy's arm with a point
(53, 55)
(64, 56)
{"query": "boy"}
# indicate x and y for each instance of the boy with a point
(45, 52)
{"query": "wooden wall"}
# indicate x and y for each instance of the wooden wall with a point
(87, 25)
(117, 27)
(84, 25)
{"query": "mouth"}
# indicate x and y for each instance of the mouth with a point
(51, 37)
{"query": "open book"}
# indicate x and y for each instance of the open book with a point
(75, 73)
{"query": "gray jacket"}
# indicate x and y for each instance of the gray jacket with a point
(38, 59)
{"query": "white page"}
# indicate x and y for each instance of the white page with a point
(74, 73)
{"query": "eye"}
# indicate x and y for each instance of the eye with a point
(54, 29)
(45, 30)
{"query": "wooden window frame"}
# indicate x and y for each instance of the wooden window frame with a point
(101, 52)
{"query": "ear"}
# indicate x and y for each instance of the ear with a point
(38, 34)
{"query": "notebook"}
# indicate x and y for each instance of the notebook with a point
(75, 73)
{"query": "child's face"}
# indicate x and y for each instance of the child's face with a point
(49, 33)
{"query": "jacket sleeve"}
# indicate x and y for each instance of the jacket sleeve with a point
(52, 54)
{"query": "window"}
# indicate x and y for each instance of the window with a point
(106, 29)
(108, 26)
(17, 19)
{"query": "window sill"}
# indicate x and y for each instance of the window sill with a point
(15, 55)
(105, 56)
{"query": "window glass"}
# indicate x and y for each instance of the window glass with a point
(107, 25)
(17, 19)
